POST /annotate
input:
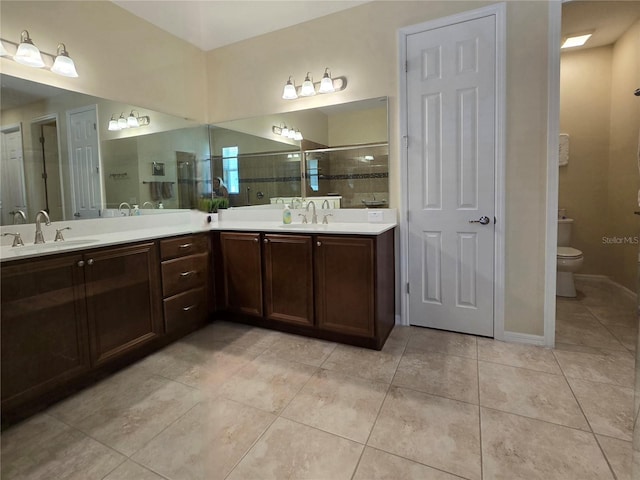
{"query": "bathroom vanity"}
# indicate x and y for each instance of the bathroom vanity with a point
(74, 312)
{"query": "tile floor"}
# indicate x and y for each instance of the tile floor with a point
(234, 402)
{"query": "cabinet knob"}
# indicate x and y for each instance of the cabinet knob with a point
(81, 263)
(90, 261)
(266, 240)
(256, 240)
(319, 243)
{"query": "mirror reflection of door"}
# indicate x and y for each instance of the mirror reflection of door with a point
(86, 180)
(12, 186)
(187, 180)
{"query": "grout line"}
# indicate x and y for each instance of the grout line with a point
(606, 459)
(524, 368)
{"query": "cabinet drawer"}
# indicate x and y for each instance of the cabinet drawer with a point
(184, 273)
(183, 246)
(185, 309)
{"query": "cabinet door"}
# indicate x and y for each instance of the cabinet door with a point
(242, 272)
(44, 332)
(288, 269)
(123, 299)
(345, 284)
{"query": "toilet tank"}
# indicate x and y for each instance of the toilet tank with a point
(564, 232)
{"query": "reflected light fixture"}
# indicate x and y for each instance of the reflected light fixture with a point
(132, 121)
(307, 90)
(113, 124)
(326, 84)
(289, 92)
(290, 133)
(63, 65)
(576, 40)
(27, 53)
(122, 122)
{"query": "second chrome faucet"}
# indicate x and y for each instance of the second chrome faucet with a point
(39, 216)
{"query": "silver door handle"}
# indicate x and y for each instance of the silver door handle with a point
(481, 221)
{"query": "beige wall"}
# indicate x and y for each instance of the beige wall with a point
(361, 44)
(585, 102)
(623, 157)
(246, 80)
(118, 56)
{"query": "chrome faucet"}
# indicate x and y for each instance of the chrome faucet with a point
(314, 216)
(39, 216)
(59, 236)
(124, 204)
(17, 215)
(326, 202)
(148, 203)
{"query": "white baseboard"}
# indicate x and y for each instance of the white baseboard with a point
(399, 320)
(527, 338)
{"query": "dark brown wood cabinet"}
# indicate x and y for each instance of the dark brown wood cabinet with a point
(65, 316)
(185, 282)
(337, 287)
(123, 299)
(44, 327)
(288, 278)
(242, 272)
(345, 284)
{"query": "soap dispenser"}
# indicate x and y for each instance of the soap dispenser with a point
(136, 210)
(286, 215)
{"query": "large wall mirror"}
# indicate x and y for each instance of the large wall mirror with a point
(343, 156)
(60, 155)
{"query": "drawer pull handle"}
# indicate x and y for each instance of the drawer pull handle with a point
(190, 307)
(185, 245)
(186, 274)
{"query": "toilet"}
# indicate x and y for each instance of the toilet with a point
(569, 260)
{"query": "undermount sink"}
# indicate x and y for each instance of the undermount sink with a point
(304, 226)
(49, 246)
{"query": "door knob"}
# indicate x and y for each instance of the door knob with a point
(481, 220)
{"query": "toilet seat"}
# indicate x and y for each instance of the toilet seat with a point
(569, 252)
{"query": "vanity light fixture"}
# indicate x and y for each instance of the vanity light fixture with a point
(113, 124)
(122, 122)
(133, 120)
(290, 133)
(289, 92)
(28, 54)
(326, 84)
(63, 65)
(309, 88)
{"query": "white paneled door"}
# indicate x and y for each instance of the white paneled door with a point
(12, 185)
(85, 163)
(451, 105)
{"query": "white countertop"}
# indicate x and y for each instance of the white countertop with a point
(87, 235)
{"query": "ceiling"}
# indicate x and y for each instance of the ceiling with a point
(608, 20)
(215, 23)
(210, 24)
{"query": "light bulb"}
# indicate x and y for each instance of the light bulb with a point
(326, 84)
(289, 92)
(308, 89)
(28, 54)
(63, 64)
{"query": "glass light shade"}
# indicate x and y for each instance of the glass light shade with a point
(122, 122)
(289, 92)
(307, 89)
(292, 134)
(28, 54)
(285, 132)
(326, 84)
(113, 125)
(132, 121)
(298, 135)
(64, 66)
